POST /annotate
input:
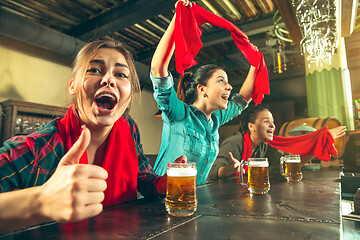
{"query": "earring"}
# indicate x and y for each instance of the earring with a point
(205, 96)
(253, 130)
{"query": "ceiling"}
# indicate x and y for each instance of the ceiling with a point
(141, 23)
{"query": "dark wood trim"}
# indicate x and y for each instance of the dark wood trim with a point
(288, 15)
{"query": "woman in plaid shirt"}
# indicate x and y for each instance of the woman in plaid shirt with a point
(90, 158)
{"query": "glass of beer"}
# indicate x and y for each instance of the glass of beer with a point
(290, 167)
(181, 198)
(258, 175)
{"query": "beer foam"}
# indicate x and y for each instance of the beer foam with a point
(181, 172)
(258, 164)
(292, 160)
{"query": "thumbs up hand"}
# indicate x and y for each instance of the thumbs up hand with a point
(75, 191)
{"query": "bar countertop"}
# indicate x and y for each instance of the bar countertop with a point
(310, 209)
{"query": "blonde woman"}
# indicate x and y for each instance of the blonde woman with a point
(90, 158)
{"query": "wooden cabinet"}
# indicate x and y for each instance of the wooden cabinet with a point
(22, 118)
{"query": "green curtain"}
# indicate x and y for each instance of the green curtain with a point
(327, 96)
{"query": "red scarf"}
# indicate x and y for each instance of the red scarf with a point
(187, 44)
(120, 159)
(320, 143)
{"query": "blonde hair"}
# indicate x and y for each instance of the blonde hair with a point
(82, 61)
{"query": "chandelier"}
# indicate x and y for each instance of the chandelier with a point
(317, 21)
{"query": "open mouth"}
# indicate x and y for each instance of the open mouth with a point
(225, 97)
(270, 131)
(106, 101)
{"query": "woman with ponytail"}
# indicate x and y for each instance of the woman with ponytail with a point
(191, 124)
(259, 123)
(256, 133)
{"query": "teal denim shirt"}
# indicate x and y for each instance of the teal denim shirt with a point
(186, 130)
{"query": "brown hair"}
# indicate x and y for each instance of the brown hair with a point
(250, 115)
(187, 86)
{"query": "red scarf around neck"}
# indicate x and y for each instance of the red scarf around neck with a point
(187, 35)
(320, 143)
(120, 159)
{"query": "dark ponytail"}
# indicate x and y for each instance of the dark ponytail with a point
(249, 116)
(183, 82)
(187, 86)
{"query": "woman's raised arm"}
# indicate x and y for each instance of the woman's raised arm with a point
(165, 48)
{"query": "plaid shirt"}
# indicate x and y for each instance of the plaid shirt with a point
(28, 161)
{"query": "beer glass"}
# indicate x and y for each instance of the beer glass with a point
(181, 198)
(290, 168)
(258, 175)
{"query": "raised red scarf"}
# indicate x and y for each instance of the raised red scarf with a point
(320, 143)
(187, 44)
(120, 159)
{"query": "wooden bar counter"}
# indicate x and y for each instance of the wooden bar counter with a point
(309, 209)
